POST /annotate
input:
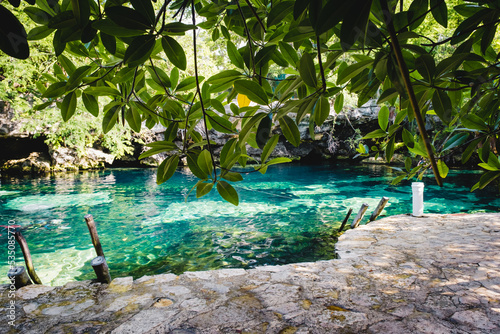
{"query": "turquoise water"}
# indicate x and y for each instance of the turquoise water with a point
(288, 215)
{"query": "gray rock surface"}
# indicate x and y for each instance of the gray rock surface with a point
(436, 274)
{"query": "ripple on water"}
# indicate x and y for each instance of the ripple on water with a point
(45, 202)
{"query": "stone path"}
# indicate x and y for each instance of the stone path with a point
(437, 274)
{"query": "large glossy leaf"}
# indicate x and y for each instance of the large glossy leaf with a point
(174, 51)
(227, 192)
(145, 7)
(167, 168)
(127, 18)
(263, 131)
(351, 71)
(290, 130)
(268, 149)
(39, 33)
(279, 12)
(473, 122)
(38, 15)
(355, 21)
(455, 141)
(440, 12)
(158, 147)
(205, 163)
(224, 77)
(139, 50)
(91, 104)
(307, 70)
(62, 20)
(133, 119)
(321, 110)
(289, 53)
(13, 39)
(252, 90)
(109, 27)
(264, 55)
(234, 55)
(77, 76)
(81, 11)
(442, 105)
(203, 188)
(68, 106)
(383, 117)
(426, 66)
(110, 118)
(245, 131)
(55, 90)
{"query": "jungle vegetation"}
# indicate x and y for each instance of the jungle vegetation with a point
(135, 62)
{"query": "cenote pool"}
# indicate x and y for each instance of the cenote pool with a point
(288, 215)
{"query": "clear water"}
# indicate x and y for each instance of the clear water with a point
(288, 215)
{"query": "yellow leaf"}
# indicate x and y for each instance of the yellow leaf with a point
(243, 101)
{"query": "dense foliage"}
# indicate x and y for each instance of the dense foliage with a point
(131, 60)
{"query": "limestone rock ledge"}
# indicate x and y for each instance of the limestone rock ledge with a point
(437, 274)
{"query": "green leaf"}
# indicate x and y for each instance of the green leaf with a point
(39, 33)
(224, 77)
(426, 66)
(102, 91)
(442, 105)
(81, 10)
(133, 119)
(307, 70)
(339, 103)
(263, 131)
(408, 163)
(76, 78)
(375, 134)
(290, 130)
(167, 169)
(62, 20)
(351, 71)
(455, 141)
(268, 149)
(245, 130)
(473, 122)
(488, 167)
(55, 90)
(234, 55)
(37, 15)
(127, 18)
(408, 139)
(193, 166)
(264, 55)
(440, 12)
(469, 150)
(187, 84)
(174, 51)
(321, 110)
(68, 106)
(177, 28)
(158, 147)
(227, 192)
(233, 176)
(221, 124)
(145, 7)
(279, 160)
(279, 12)
(203, 188)
(442, 168)
(110, 118)
(205, 163)
(383, 117)
(91, 104)
(12, 35)
(110, 28)
(252, 90)
(139, 50)
(486, 179)
(109, 42)
(289, 53)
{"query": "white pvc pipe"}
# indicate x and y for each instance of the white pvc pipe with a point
(418, 198)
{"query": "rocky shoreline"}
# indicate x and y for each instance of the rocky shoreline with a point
(401, 274)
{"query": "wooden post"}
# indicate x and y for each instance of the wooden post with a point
(101, 269)
(379, 208)
(93, 235)
(27, 257)
(19, 276)
(359, 216)
(345, 220)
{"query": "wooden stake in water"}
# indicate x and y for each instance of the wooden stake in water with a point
(359, 216)
(27, 257)
(93, 235)
(345, 220)
(379, 208)
(19, 276)
(101, 269)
